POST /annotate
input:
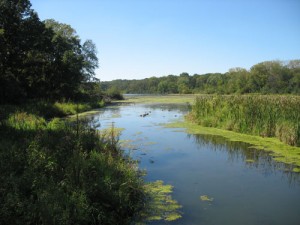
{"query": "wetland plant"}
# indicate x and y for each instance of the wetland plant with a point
(264, 115)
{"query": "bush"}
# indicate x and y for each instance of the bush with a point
(115, 94)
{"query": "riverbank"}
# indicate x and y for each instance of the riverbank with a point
(59, 164)
(279, 151)
(163, 99)
(49, 110)
(260, 115)
(50, 169)
(204, 165)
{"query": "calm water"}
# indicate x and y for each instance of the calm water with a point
(259, 192)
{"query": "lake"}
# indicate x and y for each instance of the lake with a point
(242, 185)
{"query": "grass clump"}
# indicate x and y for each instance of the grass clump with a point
(24, 121)
(264, 115)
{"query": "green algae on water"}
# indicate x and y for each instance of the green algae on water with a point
(160, 204)
(280, 151)
(296, 170)
(206, 198)
(149, 143)
(249, 161)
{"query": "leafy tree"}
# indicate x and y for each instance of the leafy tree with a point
(236, 80)
(163, 87)
(40, 59)
(24, 45)
(68, 60)
(90, 63)
(183, 83)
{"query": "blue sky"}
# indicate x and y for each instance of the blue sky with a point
(144, 38)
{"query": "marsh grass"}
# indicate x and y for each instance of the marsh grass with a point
(263, 115)
(164, 99)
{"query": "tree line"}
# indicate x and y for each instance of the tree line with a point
(42, 59)
(270, 77)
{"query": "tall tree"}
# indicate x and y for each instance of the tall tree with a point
(20, 39)
(90, 63)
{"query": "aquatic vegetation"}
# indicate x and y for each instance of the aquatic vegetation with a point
(160, 204)
(249, 161)
(280, 151)
(128, 144)
(297, 170)
(206, 198)
(166, 99)
(263, 115)
(149, 143)
(138, 133)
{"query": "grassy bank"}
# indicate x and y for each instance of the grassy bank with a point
(49, 110)
(55, 171)
(262, 115)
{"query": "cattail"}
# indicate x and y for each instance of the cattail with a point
(264, 115)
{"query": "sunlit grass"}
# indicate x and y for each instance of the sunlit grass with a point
(264, 115)
(165, 99)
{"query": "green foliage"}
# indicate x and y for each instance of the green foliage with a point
(23, 121)
(55, 173)
(70, 108)
(41, 60)
(267, 116)
(114, 93)
(47, 110)
(67, 172)
(269, 77)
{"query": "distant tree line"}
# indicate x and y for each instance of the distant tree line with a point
(270, 77)
(42, 59)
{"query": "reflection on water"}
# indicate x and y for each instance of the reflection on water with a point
(247, 186)
(253, 158)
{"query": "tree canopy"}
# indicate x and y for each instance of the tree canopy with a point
(41, 59)
(270, 77)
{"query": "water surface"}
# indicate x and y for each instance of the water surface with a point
(246, 185)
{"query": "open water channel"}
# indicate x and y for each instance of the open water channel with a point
(245, 186)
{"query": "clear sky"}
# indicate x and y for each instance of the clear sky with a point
(144, 38)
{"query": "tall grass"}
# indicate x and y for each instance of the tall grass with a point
(265, 115)
(48, 110)
(53, 172)
(67, 172)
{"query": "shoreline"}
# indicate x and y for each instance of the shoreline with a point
(278, 150)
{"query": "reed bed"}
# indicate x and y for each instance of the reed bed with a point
(264, 115)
